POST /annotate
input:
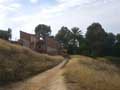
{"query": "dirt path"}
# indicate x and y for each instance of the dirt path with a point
(49, 80)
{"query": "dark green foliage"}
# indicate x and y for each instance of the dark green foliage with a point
(84, 48)
(75, 40)
(63, 36)
(95, 37)
(109, 44)
(96, 42)
(5, 34)
(70, 39)
(118, 37)
(116, 49)
(42, 30)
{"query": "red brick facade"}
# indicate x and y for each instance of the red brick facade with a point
(37, 44)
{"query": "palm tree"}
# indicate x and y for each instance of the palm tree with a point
(75, 38)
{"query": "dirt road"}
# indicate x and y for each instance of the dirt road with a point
(49, 80)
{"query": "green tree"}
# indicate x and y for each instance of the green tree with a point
(117, 46)
(95, 37)
(6, 34)
(118, 37)
(75, 40)
(63, 36)
(9, 33)
(70, 39)
(109, 44)
(76, 35)
(43, 31)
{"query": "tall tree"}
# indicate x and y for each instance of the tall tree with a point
(9, 33)
(117, 46)
(43, 31)
(76, 37)
(109, 44)
(118, 37)
(6, 34)
(70, 39)
(95, 36)
(63, 36)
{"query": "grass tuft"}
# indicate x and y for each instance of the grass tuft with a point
(18, 63)
(85, 73)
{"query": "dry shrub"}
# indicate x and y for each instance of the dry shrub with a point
(18, 63)
(84, 73)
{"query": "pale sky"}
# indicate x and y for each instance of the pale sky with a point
(26, 14)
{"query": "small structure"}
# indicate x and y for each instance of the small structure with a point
(38, 44)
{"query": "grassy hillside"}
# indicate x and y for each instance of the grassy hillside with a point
(18, 63)
(84, 73)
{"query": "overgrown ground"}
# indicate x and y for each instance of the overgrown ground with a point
(84, 73)
(18, 63)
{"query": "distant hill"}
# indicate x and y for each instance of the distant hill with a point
(18, 63)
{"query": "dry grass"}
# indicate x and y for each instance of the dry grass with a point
(18, 63)
(84, 73)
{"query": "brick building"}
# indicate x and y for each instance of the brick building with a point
(38, 44)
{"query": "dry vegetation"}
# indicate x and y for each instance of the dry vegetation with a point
(18, 63)
(84, 73)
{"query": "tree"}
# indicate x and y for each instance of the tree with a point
(43, 31)
(76, 35)
(5, 34)
(109, 44)
(118, 37)
(95, 37)
(70, 39)
(117, 46)
(9, 33)
(63, 36)
(76, 38)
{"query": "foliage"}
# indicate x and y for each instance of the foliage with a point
(109, 44)
(42, 30)
(118, 37)
(70, 39)
(5, 34)
(63, 36)
(96, 42)
(95, 36)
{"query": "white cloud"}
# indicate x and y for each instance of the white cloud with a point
(15, 5)
(5, 1)
(7, 8)
(64, 12)
(33, 1)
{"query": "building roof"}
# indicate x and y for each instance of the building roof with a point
(26, 35)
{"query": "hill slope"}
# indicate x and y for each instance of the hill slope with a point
(18, 63)
(84, 73)
(80, 73)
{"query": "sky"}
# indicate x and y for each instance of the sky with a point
(25, 15)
